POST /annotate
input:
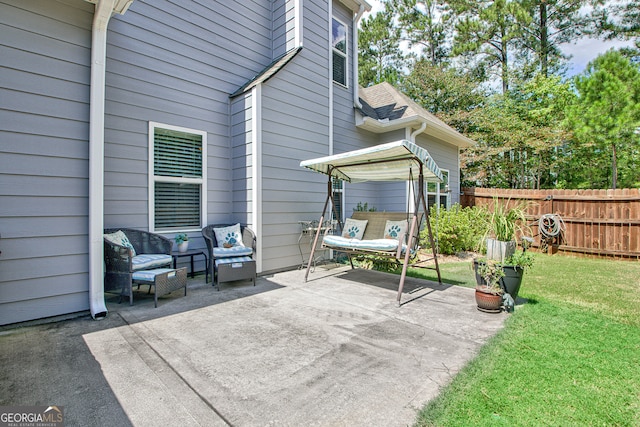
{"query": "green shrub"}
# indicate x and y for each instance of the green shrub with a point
(378, 263)
(456, 229)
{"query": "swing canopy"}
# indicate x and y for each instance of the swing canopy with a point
(385, 162)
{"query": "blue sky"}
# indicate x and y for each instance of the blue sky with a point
(582, 52)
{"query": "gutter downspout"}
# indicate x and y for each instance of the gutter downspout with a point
(103, 11)
(412, 137)
(298, 23)
(356, 19)
(417, 132)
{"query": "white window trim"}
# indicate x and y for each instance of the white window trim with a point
(152, 178)
(345, 54)
(438, 193)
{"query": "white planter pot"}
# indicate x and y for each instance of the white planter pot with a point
(183, 247)
(498, 250)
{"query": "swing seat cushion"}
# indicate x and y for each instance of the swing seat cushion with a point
(377, 245)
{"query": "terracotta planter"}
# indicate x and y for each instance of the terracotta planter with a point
(511, 281)
(488, 302)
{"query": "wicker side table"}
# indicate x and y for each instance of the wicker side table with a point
(164, 280)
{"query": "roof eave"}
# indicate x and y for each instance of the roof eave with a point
(382, 126)
(354, 5)
(435, 129)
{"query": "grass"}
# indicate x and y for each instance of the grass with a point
(568, 357)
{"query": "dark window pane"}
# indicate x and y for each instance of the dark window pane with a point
(176, 205)
(339, 69)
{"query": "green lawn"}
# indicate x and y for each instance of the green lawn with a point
(568, 357)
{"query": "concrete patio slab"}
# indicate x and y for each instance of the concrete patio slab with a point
(334, 351)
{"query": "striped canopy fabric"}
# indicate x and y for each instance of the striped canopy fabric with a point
(395, 161)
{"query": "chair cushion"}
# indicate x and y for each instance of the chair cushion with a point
(231, 260)
(228, 237)
(121, 239)
(354, 228)
(149, 275)
(149, 261)
(234, 251)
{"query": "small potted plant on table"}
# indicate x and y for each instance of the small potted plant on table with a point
(182, 240)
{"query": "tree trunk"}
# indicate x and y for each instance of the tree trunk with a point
(505, 66)
(544, 40)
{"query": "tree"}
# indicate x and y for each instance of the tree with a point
(541, 103)
(520, 136)
(605, 120)
(553, 22)
(442, 91)
(621, 20)
(380, 57)
(427, 24)
(488, 30)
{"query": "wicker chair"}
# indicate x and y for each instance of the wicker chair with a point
(152, 251)
(248, 239)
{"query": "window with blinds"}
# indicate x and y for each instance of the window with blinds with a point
(337, 186)
(339, 43)
(177, 177)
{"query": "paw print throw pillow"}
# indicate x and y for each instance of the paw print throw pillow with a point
(395, 229)
(229, 237)
(354, 228)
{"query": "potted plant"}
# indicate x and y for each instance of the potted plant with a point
(509, 277)
(488, 290)
(503, 225)
(514, 268)
(182, 240)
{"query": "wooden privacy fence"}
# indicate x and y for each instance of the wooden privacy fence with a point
(596, 222)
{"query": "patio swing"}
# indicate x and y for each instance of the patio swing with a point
(395, 161)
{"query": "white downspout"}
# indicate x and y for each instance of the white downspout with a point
(417, 132)
(330, 77)
(356, 19)
(103, 11)
(298, 23)
(256, 173)
(412, 137)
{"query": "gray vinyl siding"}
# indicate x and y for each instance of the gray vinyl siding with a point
(241, 158)
(446, 156)
(346, 137)
(283, 26)
(44, 110)
(177, 66)
(173, 63)
(294, 122)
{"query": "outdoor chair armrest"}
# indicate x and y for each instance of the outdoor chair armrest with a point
(249, 238)
(117, 258)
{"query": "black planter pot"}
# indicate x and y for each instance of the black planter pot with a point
(511, 281)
